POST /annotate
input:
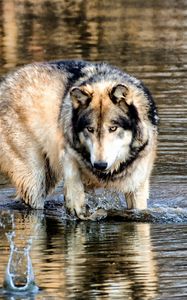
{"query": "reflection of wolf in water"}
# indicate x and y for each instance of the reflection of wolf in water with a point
(109, 261)
(90, 123)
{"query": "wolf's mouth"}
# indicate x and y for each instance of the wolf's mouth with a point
(101, 171)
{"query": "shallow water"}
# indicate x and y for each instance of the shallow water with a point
(100, 260)
(108, 259)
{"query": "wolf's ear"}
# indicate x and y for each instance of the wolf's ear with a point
(119, 93)
(79, 97)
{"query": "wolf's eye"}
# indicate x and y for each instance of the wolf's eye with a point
(112, 128)
(90, 129)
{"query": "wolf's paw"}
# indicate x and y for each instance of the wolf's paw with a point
(84, 214)
(79, 208)
(78, 211)
(98, 215)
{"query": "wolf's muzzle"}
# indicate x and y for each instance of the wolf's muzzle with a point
(100, 165)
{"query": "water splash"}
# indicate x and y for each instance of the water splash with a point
(19, 274)
(109, 204)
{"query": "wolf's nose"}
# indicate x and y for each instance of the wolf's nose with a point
(100, 165)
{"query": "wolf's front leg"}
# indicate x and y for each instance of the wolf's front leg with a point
(73, 188)
(138, 198)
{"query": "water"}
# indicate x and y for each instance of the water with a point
(109, 259)
(19, 275)
(102, 260)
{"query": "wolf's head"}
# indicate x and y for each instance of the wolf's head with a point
(109, 120)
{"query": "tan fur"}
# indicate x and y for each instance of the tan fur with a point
(37, 144)
(29, 129)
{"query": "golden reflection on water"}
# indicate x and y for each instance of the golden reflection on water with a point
(86, 260)
(118, 31)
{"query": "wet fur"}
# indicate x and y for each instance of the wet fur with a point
(45, 110)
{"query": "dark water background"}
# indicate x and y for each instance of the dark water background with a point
(111, 259)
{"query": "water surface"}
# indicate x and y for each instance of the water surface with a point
(101, 260)
(109, 259)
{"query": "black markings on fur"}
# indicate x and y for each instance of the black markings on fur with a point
(134, 117)
(129, 121)
(112, 97)
(85, 156)
(71, 67)
(133, 113)
(123, 122)
(115, 99)
(152, 113)
(80, 119)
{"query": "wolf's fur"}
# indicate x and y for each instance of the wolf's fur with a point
(90, 123)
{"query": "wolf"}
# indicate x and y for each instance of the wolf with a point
(89, 123)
